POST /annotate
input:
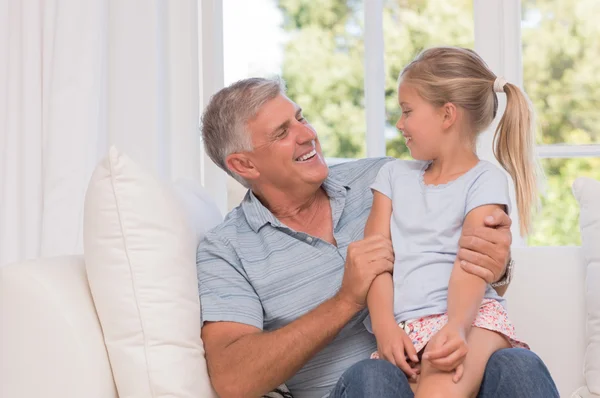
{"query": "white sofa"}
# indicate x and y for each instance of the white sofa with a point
(123, 319)
(52, 343)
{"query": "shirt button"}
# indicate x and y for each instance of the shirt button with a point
(309, 239)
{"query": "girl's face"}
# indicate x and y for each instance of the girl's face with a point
(420, 124)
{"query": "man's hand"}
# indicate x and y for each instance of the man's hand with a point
(485, 251)
(394, 345)
(447, 350)
(365, 260)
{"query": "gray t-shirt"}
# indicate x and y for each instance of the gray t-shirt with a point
(426, 225)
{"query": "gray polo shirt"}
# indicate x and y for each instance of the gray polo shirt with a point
(253, 269)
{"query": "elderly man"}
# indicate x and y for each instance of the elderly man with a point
(283, 280)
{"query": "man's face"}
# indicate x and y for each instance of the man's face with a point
(287, 153)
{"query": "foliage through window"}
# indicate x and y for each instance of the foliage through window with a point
(318, 48)
(561, 43)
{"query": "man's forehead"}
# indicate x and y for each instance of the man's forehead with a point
(279, 103)
(276, 111)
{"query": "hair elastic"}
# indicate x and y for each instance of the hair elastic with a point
(499, 84)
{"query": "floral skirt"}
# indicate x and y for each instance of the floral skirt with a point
(492, 316)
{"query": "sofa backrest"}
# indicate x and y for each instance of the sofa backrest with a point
(546, 302)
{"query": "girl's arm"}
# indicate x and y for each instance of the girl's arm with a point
(466, 291)
(380, 299)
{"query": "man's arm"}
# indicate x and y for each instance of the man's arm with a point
(244, 361)
(485, 251)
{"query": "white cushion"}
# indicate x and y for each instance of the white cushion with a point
(140, 259)
(587, 193)
(201, 212)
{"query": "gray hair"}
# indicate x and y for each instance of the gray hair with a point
(225, 119)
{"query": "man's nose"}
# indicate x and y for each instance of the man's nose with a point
(305, 134)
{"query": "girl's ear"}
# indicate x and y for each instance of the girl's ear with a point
(450, 114)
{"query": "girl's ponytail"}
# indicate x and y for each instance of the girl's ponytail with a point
(514, 145)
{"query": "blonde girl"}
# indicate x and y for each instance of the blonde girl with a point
(439, 324)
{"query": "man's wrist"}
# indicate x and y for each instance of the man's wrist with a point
(507, 277)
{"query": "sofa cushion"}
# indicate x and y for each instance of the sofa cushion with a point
(140, 259)
(201, 212)
(587, 193)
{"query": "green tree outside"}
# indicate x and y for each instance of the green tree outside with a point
(324, 71)
(561, 40)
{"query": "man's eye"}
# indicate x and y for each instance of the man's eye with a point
(301, 119)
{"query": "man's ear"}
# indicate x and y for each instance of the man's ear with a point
(449, 114)
(241, 164)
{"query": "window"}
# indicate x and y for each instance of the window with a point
(561, 40)
(318, 50)
(409, 28)
(322, 50)
(317, 47)
(254, 44)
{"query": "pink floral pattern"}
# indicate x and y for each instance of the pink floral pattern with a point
(491, 316)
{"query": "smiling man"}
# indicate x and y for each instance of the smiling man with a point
(283, 280)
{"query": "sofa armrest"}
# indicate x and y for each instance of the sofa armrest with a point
(583, 392)
(50, 338)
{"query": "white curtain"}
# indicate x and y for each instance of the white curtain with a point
(76, 77)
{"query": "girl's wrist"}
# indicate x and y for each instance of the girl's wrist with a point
(382, 322)
(460, 325)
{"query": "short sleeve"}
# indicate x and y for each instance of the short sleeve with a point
(490, 187)
(383, 181)
(225, 291)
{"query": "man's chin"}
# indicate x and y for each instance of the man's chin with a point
(317, 177)
(313, 173)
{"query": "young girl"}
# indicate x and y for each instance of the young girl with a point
(450, 321)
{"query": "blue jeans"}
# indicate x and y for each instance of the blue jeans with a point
(510, 373)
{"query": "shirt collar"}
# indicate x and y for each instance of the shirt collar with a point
(258, 215)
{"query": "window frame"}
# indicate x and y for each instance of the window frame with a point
(211, 71)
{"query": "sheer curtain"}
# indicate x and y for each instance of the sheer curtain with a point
(76, 77)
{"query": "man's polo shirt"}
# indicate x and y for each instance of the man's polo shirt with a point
(255, 270)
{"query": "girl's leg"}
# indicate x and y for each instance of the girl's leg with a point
(435, 383)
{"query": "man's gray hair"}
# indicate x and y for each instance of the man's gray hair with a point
(225, 119)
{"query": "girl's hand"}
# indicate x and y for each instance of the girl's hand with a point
(447, 350)
(394, 345)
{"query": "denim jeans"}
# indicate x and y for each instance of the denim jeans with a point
(510, 373)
